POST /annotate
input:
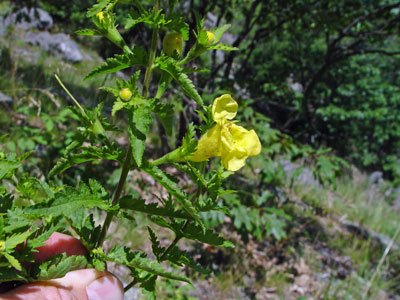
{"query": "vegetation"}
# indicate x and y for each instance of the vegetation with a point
(315, 81)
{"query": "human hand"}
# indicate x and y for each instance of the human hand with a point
(87, 284)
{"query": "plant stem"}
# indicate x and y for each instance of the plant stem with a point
(127, 162)
(131, 284)
(174, 242)
(152, 55)
(117, 194)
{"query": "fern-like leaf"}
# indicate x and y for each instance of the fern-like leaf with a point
(170, 65)
(120, 62)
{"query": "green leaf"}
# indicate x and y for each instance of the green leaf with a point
(224, 47)
(59, 265)
(9, 164)
(16, 239)
(13, 261)
(87, 154)
(138, 129)
(195, 232)
(174, 190)
(101, 4)
(178, 24)
(9, 274)
(165, 113)
(149, 17)
(128, 202)
(219, 31)
(124, 256)
(120, 61)
(170, 65)
(87, 32)
(181, 257)
(67, 201)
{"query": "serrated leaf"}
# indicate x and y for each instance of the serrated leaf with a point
(178, 24)
(16, 239)
(149, 17)
(17, 219)
(219, 31)
(195, 232)
(224, 47)
(87, 154)
(101, 4)
(181, 257)
(87, 32)
(169, 65)
(128, 202)
(174, 190)
(8, 164)
(69, 200)
(117, 106)
(120, 62)
(13, 261)
(138, 129)
(165, 113)
(59, 265)
(9, 274)
(124, 256)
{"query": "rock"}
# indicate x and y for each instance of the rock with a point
(375, 177)
(305, 177)
(59, 44)
(4, 98)
(30, 18)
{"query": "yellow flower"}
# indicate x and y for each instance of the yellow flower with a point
(231, 142)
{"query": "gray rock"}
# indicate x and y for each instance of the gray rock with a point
(375, 177)
(59, 44)
(4, 98)
(29, 18)
(305, 177)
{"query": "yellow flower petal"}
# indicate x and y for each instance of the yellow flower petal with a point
(224, 108)
(208, 145)
(246, 139)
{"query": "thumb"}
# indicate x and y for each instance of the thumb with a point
(88, 284)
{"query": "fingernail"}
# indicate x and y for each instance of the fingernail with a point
(105, 288)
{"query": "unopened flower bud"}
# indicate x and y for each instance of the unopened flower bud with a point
(210, 37)
(100, 16)
(173, 42)
(125, 94)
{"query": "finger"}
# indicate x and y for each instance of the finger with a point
(59, 243)
(88, 284)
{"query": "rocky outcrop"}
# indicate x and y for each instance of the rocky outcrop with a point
(58, 44)
(27, 19)
(31, 20)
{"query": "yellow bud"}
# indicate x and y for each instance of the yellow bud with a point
(210, 37)
(173, 42)
(2, 245)
(125, 94)
(100, 16)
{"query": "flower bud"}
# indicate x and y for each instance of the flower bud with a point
(173, 42)
(125, 94)
(100, 16)
(210, 37)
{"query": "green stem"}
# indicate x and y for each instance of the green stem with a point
(72, 97)
(130, 285)
(117, 194)
(152, 55)
(127, 162)
(174, 242)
